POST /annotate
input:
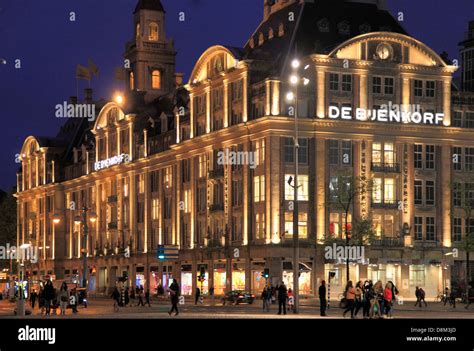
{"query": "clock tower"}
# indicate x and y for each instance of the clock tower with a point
(151, 55)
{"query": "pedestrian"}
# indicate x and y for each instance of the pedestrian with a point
(73, 298)
(140, 297)
(422, 297)
(452, 297)
(116, 296)
(282, 297)
(48, 296)
(375, 307)
(41, 304)
(147, 298)
(394, 296)
(470, 296)
(291, 301)
(322, 299)
(387, 295)
(366, 299)
(358, 297)
(197, 295)
(63, 298)
(266, 299)
(174, 295)
(33, 298)
(349, 294)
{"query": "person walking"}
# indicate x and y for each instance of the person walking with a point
(422, 297)
(394, 296)
(147, 298)
(116, 297)
(366, 299)
(74, 299)
(358, 297)
(291, 301)
(375, 307)
(322, 299)
(174, 295)
(63, 297)
(197, 295)
(48, 296)
(387, 296)
(266, 299)
(140, 297)
(349, 294)
(282, 297)
(33, 298)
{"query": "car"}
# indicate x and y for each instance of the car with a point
(238, 296)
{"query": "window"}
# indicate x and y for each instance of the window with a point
(457, 195)
(430, 193)
(303, 189)
(260, 225)
(389, 191)
(418, 156)
(302, 224)
(289, 150)
(185, 171)
(334, 228)
(187, 201)
(377, 191)
(202, 166)
(457, 229)
(430, 157)
(137, 32)
(418, 88)
(377, 85)
(333, 81)
(156, 79)
(430, 229)
(347, 82)
(389, 86)
(132, 81)
(457, 158)
(469, 123)
(281, 29)
(469, 159)
(418, 192)
(155, 206)
(333, 152)
(141, 183)
(430, 88)
(377, 153)
(260, 152)
(168, 180)
(457, 119)
(389, 154)
(259, 188)
(261, 39)
(346, 147)
(418, 228)
(153, 32)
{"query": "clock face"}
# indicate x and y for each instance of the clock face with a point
(384, 51)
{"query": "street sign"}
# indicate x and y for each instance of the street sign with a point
(167, 252)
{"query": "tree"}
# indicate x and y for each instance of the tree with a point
(8, 219)
(343, 191)
(463, 197)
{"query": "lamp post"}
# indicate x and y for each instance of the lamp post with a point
(85, 229)
(295, 80)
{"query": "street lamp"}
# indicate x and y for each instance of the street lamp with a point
(83, 220)
(292, 96)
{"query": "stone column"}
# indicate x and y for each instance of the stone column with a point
(320, 93)
(445, 198)
(321, 189)
(274, 176)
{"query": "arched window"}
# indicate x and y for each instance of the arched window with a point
(132, 81)
(261, 39)
(156, 79)
(270, 33)
(137, 32)
(281, 30)
(153, 31)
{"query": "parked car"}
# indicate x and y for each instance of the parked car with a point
(238, 296)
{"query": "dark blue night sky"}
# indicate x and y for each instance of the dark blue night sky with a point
(49, 46)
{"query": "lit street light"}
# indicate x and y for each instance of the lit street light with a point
(85, 228)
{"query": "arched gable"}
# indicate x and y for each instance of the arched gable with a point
(209, 63)
(30, 146)
(413, 51)
(110, 114)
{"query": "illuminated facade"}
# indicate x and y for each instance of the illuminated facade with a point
(151, 169)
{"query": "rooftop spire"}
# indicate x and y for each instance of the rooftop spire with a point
(154, 5)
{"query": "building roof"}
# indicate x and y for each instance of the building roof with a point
(318, 27)
(154, 5)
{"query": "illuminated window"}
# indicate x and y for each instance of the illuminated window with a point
(137, 31)
(303, 190)
(377, 153)
(302, 224)
(168, 180)
(281, 30)
(260, 225)
(377, 191)
(377, 223)
(389, 153)
(156, 79)
(270, 33)
(153, 31)
(261, 39)
(141, 183)
(334, 226)
(155, 205)
(132, 81)
(389, 191)
(260, 152)
(187, 201)
(259, 188)
(202, 166)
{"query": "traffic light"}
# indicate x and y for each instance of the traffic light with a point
(161, 252)
(332, 274)
(202, 271)
(266, 273)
